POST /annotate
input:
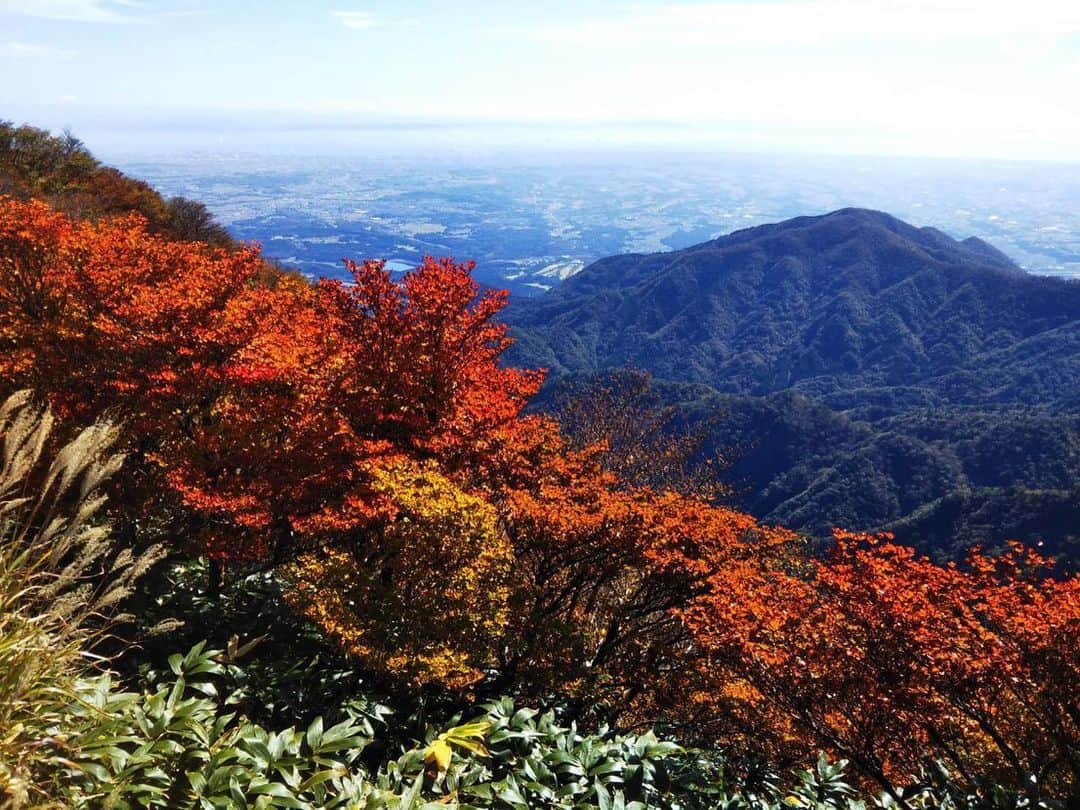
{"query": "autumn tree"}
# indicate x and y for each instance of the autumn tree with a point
(644, 442)
(105, 318)
(349, 447)
(427, 597)
(895, 662)
(331, 390)
(603, 570)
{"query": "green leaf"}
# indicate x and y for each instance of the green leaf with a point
(315, 733)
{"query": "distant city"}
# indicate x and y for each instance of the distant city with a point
(530, 222)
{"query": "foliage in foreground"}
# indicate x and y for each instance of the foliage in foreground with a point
(179, 744)
(72, 736)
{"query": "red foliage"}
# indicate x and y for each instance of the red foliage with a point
(893, 661)
(105, 317)
(276, 415)
(341, 379)
(264, 406)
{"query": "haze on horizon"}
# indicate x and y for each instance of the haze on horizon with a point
(935, 78)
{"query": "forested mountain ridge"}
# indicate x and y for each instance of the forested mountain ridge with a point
(941, 479)
(854, 370)
(853, 307)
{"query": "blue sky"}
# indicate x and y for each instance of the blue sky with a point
(985, 79)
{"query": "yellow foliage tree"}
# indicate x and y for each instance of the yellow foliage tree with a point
(424, 598)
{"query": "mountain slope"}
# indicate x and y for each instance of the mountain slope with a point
(870, 374)
(850, 300)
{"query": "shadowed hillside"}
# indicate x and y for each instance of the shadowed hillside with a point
(61, 171)
(854, 307)
(869, 373)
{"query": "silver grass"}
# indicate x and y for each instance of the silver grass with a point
(61, 579)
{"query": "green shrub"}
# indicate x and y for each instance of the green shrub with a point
(180, 744)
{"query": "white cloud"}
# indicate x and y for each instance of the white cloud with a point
(360, 20)
(808, 21)
(188, 12)
(29, 49)
(102, 11)
(828, 75)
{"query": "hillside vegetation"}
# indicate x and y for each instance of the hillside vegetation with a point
(294, 545)
(850, 305)
(60, 170)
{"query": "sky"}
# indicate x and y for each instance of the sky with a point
(946, 78)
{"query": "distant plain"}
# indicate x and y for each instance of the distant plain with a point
(530, 221)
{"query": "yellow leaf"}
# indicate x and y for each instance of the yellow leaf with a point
(438, 754)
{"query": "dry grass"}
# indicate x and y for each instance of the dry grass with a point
(59, 576)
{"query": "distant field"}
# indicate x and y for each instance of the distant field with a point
(529, 223)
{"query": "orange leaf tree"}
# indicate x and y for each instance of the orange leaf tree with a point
(336, 385)
(106, 318)
(895, 662)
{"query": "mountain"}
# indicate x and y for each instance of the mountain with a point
(853, 301)
(872, 374)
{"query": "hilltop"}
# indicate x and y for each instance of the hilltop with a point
(60, 170)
